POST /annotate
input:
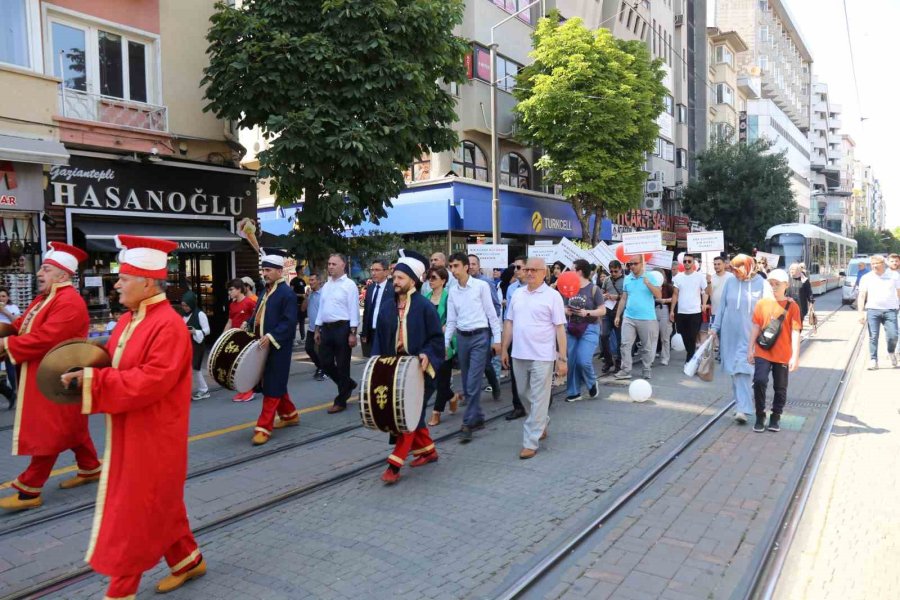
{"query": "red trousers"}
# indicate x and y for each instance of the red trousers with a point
(283, 406)
(418, 441)
(182, 556)
(32, 480)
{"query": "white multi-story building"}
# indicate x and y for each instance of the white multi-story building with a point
(830, 201)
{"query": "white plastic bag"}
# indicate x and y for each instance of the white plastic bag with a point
(690, 369)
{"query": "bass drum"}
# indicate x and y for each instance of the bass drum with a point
(237, 361)
(392, 394)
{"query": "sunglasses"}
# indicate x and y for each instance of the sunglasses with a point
(519, 267)
(529, 270)
(688, 262)
(433, 278)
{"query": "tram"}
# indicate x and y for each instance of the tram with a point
(825, 254)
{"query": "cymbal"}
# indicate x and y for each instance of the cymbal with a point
(6, 329)
(70, 355)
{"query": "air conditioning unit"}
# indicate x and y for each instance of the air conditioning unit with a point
(679, 20)
(652, 203)
(654, 187)
(659, 176)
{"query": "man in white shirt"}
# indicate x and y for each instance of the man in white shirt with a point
(336, 325)
(472, 318)
(719, 278)
(536, 317)
(691, 290)
(374, 293)
(879, 297)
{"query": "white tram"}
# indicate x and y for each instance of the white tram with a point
(825, 254)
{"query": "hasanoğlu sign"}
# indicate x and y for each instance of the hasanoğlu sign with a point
(94, 183)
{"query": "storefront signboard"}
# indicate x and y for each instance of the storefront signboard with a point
(492, 256)
(618, 230)
(640, 242)
(20, 187)
(93, 282)
(707, 241)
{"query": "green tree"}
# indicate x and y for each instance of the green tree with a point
(867, 241)
(349, 93)
(742, 190)
(590, 101)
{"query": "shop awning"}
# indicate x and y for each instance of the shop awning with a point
(100, 236)
(43, 152)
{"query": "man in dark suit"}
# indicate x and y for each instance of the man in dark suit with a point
(374, 294)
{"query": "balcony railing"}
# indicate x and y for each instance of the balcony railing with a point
(76, 104)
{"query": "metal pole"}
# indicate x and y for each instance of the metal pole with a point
(495, 151)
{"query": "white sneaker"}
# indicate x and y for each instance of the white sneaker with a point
(873, 364)
(894, 360)
(740, 418)
(200, 396)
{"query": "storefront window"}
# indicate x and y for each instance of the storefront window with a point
(470, 162)
(514, 171)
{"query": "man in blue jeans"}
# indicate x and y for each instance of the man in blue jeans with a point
(472, 318)
(879, 297)
(611, 336)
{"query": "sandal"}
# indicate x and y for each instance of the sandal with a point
(454, 404)
(435, 419)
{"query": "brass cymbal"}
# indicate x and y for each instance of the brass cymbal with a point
(6, 329)
(70, 355)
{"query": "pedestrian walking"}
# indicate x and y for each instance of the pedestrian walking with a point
(691, 290)
(299, 287)
(374, 293)
(336, 325)
(518, 409)
(636, 316)
(250, 288)
(877, 305)
(800, 290)
(583, 334)
(719, 278)
(140, 514)
(536, 318)
(198, 326)
(732, 327)
(779, 318)
(43, 429)
(663, 308)
(311, 306)
(611, 335)
(472, 317)
(438, 295)
(492, 371)
(409, 325)
(240, 307)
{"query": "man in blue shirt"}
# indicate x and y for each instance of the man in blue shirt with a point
(638, 304)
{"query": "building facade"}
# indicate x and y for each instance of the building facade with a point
(728, 93)
(830, 195)
(117, 84)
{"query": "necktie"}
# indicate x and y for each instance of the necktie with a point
(374, 301)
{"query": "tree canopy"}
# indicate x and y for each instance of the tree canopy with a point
(872, 241)
(348, 93)
(743, 190)
(590, 101)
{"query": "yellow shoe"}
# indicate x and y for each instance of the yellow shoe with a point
(173, 582)
(76, 481)
(14, 503)
(259, 438)
(292, 422)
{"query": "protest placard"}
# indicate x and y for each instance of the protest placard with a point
(642, 242)
(569, 253)
(603, 255)
(661, 260)
(492, 256)
(548, 253)
(772, 259)
(706, 241)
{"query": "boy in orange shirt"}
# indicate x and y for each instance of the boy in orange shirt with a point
(782, 357)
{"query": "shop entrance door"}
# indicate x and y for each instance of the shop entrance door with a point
(208, 275)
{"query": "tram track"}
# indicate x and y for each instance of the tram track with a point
(549, 560)
(522, 584)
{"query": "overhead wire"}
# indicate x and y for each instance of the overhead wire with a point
(852, 61)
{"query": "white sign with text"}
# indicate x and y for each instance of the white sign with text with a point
(603, 255)
(569, 252)
(706, 241)
(661, 260)
(771, 259)
(548, 253)
(492, 256)
(642, 242)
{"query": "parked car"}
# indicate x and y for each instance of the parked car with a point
(849, 292)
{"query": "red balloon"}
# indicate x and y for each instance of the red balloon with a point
(680, 268)
(620, 252)
(568, 284)
(624, 258)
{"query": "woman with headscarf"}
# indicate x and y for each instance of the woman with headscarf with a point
(733, 324)
(800, 290)
(198, 325)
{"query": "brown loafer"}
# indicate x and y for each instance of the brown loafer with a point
(78, 480)
(527, 453)
(14, 503)
(292, 422)
(173, 582)
(336, 409)
(259, 438)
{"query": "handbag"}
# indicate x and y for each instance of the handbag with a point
(5, 257)
(769, 335)
(690, 368)
(31, 246)
(706, 366)
(577, 328)
(15, 244)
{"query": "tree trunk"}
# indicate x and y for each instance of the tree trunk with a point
(595, 234)
(583, 219)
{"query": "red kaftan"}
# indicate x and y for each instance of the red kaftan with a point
(146, 395)
(42, 427)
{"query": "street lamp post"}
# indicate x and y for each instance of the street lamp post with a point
(495, 135)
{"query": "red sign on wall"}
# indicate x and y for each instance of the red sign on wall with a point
(470, 70)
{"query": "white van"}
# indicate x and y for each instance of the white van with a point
(849, 291)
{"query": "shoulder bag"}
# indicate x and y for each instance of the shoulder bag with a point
(31, 246)
(577, 328)
(769, 335)
(15, 244)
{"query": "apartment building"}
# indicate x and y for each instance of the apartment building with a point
(728, 92)
(107, 110)
(830, 197)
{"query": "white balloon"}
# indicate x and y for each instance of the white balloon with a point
(681, 257)
(640, 390)
(677, 342)
(655, 277)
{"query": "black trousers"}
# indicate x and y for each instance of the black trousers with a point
(311, 349)
(334, 357)
(442, 382)
(761, 372)
(515, 389)
(689, 326)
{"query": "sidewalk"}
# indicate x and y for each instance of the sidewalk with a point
(848, 544)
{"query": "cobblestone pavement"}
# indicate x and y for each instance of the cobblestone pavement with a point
(848, 542)
(696, 531)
